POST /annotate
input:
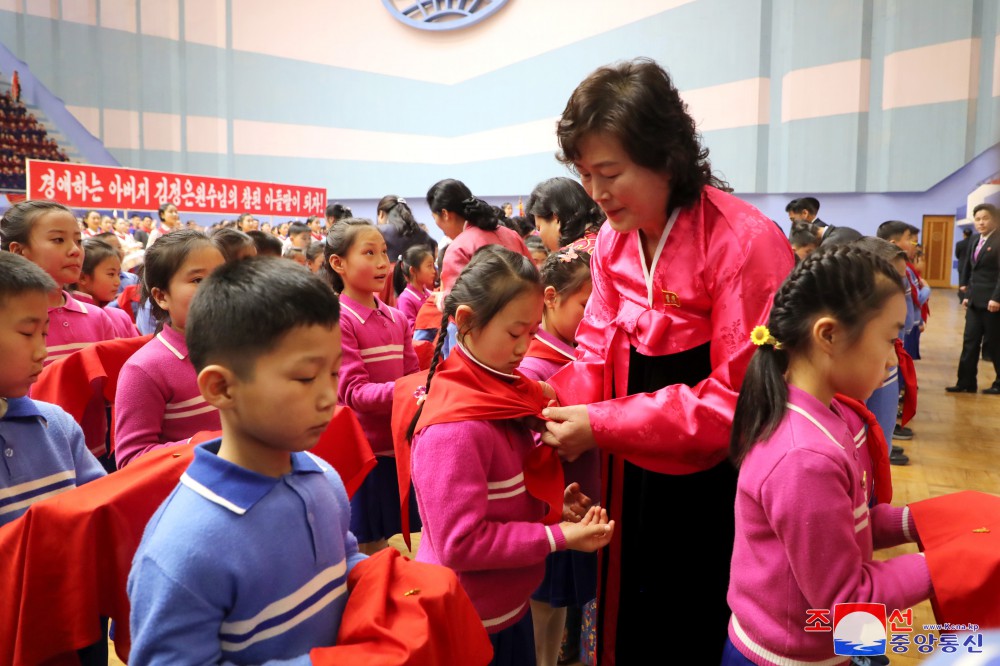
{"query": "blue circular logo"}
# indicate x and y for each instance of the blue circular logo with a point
(442, 14)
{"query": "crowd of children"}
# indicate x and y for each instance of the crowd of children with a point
(650, 370)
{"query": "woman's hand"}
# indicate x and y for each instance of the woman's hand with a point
(569, 431)
(575, 504)
(592, 532)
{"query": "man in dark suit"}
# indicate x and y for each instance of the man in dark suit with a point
(805, 209)
(961, 254)
(980, 276)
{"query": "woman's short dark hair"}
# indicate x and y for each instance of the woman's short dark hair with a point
(637, 103)
(566, 199)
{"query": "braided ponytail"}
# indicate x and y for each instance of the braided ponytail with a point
(844, 282)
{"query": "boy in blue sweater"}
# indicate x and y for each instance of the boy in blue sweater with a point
(246, 562)
(42, 449)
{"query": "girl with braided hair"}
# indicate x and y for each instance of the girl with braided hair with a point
(488, 513)
(814, 488)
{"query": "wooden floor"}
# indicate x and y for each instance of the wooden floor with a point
(956, 441)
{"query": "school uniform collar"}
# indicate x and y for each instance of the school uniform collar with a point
(550, 340)
(22, 408)
(363, 312)
(233, 487)
(829, 421)
(173, 341)
(72, 304)
(82, 297)
(476, 362)
(420, 294)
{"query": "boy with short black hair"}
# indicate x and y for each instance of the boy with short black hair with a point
(43, 448)
(804, 242)
(299, 236)
(247, 560)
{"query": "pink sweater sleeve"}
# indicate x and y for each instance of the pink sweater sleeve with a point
(450, 463)
(139, 409)
(455, 259)
(411, 363)
(892, 526)
(807, 498)
(357, 390)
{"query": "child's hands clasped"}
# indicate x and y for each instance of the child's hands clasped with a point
(575, 504)
(594, 531)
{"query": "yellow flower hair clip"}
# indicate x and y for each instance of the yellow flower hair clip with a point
(762, 336)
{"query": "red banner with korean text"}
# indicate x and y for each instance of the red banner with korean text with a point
(92, 186)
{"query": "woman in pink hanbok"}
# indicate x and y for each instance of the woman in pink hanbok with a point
(682, 272)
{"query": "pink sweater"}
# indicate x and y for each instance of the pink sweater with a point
(158, 402)
(121, 323)
(478, 518)
(409, 303)
(378, 350)
(75, 325)
(805, 536)
(465, 245)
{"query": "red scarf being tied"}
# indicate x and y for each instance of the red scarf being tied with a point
(908, 377)
(878, 449)
(462, 391)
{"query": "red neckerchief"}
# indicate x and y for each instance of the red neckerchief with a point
(925, 309)
(878, 449)
(908, 373)
(462, 391)
(538, 349)
(129, 295)
(428, 316)
(914, 286)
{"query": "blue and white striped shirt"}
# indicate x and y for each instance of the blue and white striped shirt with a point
(43, 453)
(236, 567)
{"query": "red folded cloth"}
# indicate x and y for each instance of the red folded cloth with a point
(66, 560)
(960, 536)
(73, 381)
(403, 612)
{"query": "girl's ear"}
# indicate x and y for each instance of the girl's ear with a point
(550, 296)
(826, 333)
(338, 265)
(159, 296)
(83, 281)
(463, 319)
(17, 248)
